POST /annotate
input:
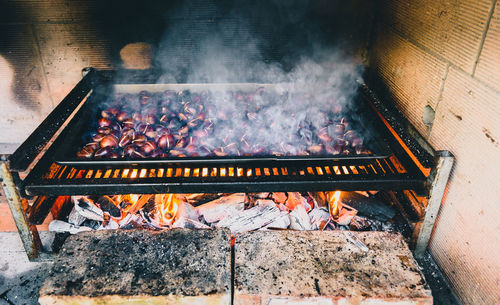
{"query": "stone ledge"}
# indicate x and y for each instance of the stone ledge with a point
(179, 266)
(312, 267)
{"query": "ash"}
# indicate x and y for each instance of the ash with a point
(238, 212)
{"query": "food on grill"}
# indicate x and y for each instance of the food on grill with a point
(231, 123)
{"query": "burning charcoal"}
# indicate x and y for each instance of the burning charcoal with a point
(294, 199)
(359, 224)
(264, 202)
(299, 219)
(370, 207)
(251, 219)
(279, 197)
(87, 208)
(197, 199)
(109, 141)
(75, 218)
(59, 226)
(108, 205)
(108, 224)
(320, 199)
(319, 217)
(113, 155)
(186, 211)
(262, 195)
(281, 222)
(189, 224)
(226, 206)
(345, 215)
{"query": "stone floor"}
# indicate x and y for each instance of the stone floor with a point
(20, 279)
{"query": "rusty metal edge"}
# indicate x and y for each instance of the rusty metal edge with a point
(28, 233)
(439, 181)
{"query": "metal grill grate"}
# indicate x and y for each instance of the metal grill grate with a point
(381, 173)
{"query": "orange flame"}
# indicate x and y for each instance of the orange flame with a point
(334, 203)
(168, 208)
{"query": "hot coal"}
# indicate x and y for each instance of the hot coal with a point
(231, 123)
(240, 212)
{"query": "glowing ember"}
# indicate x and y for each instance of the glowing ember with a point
(334, 203)
(168, 208)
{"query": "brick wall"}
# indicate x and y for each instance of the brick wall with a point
(446, 54)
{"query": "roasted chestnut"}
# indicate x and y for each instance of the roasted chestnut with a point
(137, 117)
(86, 152)
(125, 139)
(143, 128)
(122, 116)
(129, 150)
(98, 137)
(128, 123)
(103, 152)
(323, 135)
(157, 153)
(109, 141)
(148, 147)
(140, 138)
(113, 155)
(104, 122)
(180, 143)
(104, 130)
(129, 132)
(149, 119)
(166, 141)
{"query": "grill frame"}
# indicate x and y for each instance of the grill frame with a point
(37, 182)
(427, 170)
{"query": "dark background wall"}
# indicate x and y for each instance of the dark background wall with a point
(45, 44)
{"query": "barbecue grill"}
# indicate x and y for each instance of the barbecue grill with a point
(401, 160)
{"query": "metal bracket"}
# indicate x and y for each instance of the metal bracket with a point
(441, 174)
(28, 233)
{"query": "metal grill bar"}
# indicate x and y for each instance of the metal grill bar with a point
(152, 178)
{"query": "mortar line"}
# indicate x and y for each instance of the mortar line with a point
(440, 97)
(483, 36)
(37, 42)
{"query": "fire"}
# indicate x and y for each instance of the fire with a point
(168, 208)
(334, 203)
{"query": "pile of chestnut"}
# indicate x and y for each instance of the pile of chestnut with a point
(185, 124)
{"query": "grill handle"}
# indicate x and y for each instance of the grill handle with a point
(25, 154)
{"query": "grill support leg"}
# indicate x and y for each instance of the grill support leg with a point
(28, 233)
(437, 190)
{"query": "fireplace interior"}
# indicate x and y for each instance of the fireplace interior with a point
(306, 151)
